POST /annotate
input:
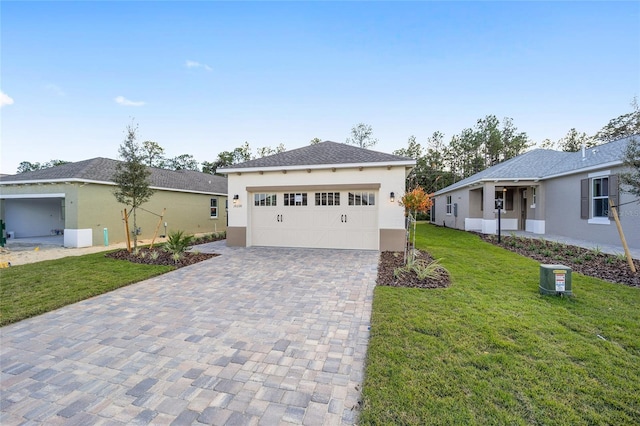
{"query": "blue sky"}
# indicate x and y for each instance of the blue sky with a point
(203, 77)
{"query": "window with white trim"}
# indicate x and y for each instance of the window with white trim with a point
(449, 205)
(534, 196)
(295, 199)
(214, 208)
(600, 197)
(595, 193)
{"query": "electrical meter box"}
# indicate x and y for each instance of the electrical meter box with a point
(555, 279)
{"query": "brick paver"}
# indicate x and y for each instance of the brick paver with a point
(254, 336)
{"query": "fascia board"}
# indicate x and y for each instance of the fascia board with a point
(585, 169)
(411, 163)
(99, 182)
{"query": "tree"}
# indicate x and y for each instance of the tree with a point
(153, 154)
(631, 159)
(361, 135)
(228, 158)
(315, 141)
(132, 177)
(267, 150)
(413, 150)
(622, 126)
(416, 201)
(573, 141)
(209, 167)
(26, 166)
(181, 162)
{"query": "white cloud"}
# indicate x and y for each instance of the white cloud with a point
(5, 99)
(126, 102)
(55, 89)
(195, 64)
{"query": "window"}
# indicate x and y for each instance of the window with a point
(295, 199)
(362, 199)
(264, 199)
(600, 191)
(327, 198)
(595, 193)
(533, 196)
(449, 205)
(214, 208)
(507, 198)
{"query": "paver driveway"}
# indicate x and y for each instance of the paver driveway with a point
(254, 336)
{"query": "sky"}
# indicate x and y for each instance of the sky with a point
(203, 77)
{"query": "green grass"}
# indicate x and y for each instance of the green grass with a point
(491, 350)
(28, 290)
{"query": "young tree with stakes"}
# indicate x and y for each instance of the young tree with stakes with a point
(132, 177)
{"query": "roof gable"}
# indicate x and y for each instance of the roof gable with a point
(102, 170)
(323, 153)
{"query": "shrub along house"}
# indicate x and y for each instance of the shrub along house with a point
(546, 192)
(76, 200)
(327, 195)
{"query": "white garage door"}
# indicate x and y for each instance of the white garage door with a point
(320, 219)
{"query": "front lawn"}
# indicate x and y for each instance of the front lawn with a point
(491, 350)
(33, 289)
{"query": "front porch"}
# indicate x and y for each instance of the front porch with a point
(509, 208)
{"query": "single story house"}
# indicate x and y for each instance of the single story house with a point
(546, 192)
(326, 195)
(76, 200)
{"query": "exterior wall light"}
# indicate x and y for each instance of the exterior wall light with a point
(235, 199)
(392, 197)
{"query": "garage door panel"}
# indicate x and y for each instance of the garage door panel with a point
(322, 226)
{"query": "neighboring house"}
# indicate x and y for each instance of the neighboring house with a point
(546, 192)
(327, 195)
(76, 199)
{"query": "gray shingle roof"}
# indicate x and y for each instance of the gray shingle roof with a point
(102, 170)
(545, 163)
(320, 154)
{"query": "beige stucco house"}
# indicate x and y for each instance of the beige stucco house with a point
(546, 192)
(326, 195)
(76, 200)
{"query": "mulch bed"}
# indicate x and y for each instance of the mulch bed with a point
(585, 261)
(144, 256)
(390, 260)
(163, 257)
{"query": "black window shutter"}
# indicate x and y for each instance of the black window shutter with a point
(584, 199)
(613, 193)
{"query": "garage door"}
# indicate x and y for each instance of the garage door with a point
(320, 219)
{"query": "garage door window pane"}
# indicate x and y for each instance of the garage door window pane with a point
(362, 199)
(264, 199)
(295, 199)
(327, 198)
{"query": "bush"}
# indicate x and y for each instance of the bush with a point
(177, 243)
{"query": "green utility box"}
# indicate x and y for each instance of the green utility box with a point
(555, 279)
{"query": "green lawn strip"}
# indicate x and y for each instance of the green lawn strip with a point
(29, 290)
(491, 350)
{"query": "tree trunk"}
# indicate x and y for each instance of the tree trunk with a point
(135, 231)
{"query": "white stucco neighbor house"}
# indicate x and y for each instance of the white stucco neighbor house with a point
(546, 192)
(327, 195)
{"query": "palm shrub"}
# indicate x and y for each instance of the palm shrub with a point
(177, 243)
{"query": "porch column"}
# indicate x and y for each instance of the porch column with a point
(489, 224)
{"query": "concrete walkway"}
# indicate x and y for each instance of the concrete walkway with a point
(605, 248)
(257, 336)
